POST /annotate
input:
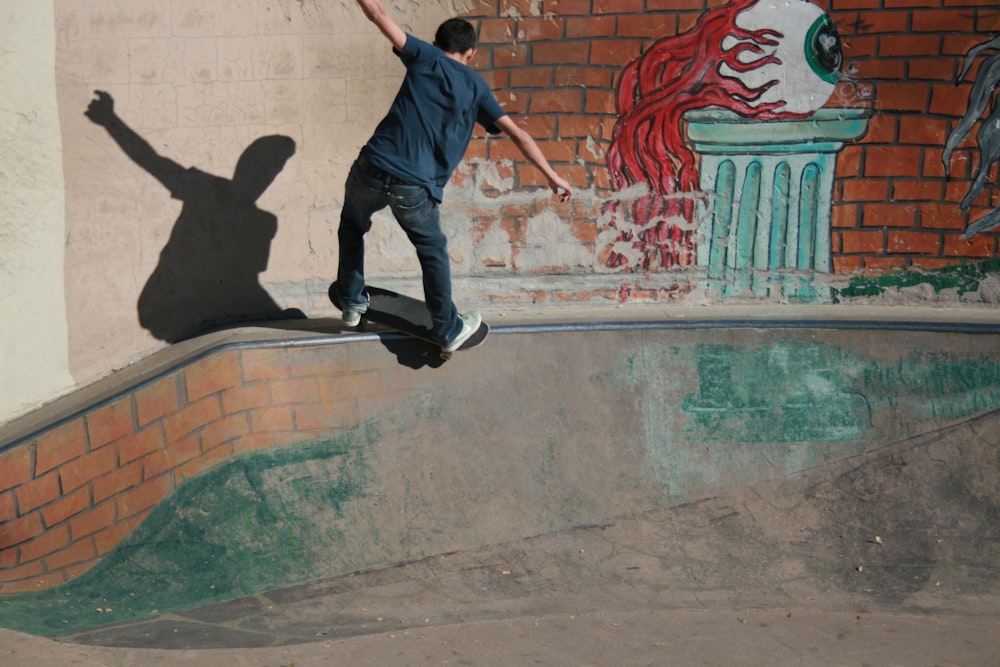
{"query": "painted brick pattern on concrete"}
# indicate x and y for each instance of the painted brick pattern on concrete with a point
(71, 494)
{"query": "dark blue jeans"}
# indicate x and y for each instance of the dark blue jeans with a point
(417, 213)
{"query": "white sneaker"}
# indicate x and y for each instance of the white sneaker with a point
(352, 318)
(352, 315)
(470, 325)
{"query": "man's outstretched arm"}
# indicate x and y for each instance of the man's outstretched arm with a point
(102, 112)
(559, 186)
(378, 15)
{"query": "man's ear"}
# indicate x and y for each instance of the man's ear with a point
(469, 55)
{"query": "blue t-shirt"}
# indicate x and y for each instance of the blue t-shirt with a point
(427, 130)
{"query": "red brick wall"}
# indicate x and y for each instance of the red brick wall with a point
(71, 494)
(893, 205)
(897, 208)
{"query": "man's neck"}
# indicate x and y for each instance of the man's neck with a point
(464, 58)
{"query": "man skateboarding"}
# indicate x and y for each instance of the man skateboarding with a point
(410, 158)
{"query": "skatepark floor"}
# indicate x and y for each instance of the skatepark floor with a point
(596, 595)
(721, 581)
(680, 637)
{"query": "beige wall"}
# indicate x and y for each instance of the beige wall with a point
(200, 80)
(33, 348)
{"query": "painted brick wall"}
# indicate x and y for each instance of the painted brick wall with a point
(557, 62)
(71, 494)
(896, 206)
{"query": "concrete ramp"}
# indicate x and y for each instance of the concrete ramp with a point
(566, 470)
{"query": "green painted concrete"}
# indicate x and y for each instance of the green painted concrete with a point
(792, 406)
(256, 523)
(963, 278)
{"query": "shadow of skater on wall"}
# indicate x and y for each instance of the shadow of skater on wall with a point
(208, 273)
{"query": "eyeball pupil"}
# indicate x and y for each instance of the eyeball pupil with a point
(823, 49)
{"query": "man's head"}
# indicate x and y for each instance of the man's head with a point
(261, 163)
(456, 37)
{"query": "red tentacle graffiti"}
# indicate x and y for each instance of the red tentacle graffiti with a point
(677, 74)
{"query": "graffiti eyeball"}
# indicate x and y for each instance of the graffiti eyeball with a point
(808, 49)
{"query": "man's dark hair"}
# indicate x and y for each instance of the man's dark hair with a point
(455, 36)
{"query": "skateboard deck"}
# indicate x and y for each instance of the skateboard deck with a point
(407, 315)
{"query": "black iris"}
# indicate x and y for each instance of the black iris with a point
(825, 46)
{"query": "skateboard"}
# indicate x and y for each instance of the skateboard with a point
(406, 315)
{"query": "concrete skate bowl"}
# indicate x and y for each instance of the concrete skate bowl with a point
(268, 490)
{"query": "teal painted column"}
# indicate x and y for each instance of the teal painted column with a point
(766, 230)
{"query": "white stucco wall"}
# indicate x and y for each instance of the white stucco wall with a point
(33, 330)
